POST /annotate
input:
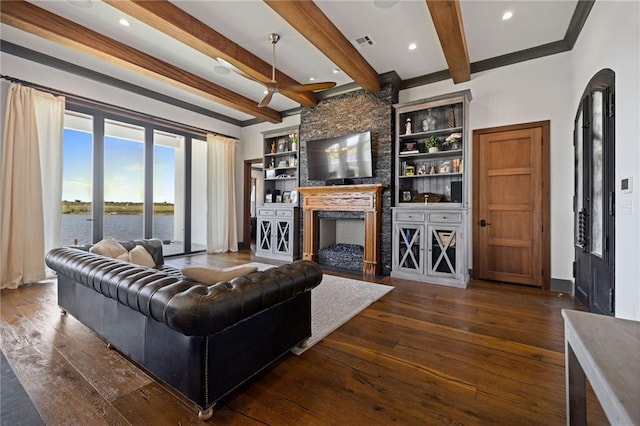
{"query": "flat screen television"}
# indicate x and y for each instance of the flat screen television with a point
(340, 158)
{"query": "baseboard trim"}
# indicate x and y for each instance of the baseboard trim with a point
(562, 286)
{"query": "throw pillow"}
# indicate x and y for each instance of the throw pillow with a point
(108, 247)
(124, 257)
(140, 256)
(211, 275)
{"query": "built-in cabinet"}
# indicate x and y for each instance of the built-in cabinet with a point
(430, 213)
(278, 219)
(276, 236)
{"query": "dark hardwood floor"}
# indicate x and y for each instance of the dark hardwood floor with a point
(423, 354)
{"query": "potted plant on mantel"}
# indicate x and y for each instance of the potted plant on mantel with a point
(433, 144)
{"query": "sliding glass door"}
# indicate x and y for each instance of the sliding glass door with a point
(129, 179)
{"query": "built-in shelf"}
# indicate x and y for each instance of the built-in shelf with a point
(419, 135)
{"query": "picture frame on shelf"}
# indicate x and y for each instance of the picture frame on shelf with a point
(278, 198)
(286, 197)
(270, 173)
(444, 167)
(407, 196)
(282, 145)
(294, 197)
(267, 198)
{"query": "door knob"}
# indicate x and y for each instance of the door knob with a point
(484, 223)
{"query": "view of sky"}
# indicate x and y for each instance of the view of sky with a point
(123, 169)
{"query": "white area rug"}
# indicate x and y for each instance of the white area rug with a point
(334, 302)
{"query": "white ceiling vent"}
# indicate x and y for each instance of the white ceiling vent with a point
(364, 41)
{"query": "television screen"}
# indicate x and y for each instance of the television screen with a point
(343, 157)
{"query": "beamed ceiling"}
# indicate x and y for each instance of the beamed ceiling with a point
(181, 51)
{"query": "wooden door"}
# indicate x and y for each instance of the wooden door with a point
(511, 204)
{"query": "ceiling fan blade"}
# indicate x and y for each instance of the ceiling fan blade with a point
(309, 87)
(265, 101)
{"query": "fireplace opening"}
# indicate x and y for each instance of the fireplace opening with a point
(341, 242)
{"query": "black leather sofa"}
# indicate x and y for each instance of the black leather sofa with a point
(202, 340)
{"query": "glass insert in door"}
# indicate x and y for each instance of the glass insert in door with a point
(597, 175)
(123, 180)
(168, 191)
(265, 235)
(282, 236)
(77, 180)
(443, 251)
(410, 247)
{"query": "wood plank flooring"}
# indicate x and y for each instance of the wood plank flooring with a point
(422, 355)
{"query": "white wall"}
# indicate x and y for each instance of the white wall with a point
(529, 91)
(50, 77)
(611, 39)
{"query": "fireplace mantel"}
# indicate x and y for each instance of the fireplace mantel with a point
(362, 198)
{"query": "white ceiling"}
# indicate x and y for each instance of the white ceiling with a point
(248, 22)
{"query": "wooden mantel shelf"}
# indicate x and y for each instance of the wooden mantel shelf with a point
(364, 198)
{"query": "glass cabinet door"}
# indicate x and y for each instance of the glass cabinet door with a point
(443, 251)
(282, 235)
(264, 234)
(410, 251)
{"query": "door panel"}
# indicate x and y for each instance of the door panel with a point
(594, 208)
(509, 200)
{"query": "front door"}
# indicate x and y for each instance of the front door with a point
(510, 202)
(594, 200)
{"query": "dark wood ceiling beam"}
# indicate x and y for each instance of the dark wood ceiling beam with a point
(308, 20)
(448, 22)
(170, 19)
(32, 19)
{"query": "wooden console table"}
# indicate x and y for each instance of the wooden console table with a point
(607, 351)
(361, 198)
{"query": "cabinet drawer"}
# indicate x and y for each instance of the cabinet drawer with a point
(410, 216)
(445, 217)
(284, 213)
(263, 212)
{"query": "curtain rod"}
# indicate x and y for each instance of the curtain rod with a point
(82, 101)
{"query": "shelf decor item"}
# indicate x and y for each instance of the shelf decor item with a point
(453, 141)
(451, 118)
(429, 122)
(433, 144)
(293, 137)
(407, 127)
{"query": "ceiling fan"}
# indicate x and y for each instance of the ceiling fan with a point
(274, 87)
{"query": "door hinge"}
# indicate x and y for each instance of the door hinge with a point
(574, 269)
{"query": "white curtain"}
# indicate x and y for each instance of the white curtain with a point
(221, 202)
(31, 188)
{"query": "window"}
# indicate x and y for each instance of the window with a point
(130, 179)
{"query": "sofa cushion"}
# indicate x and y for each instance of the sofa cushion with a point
(212, 275)
(108, 247)
(124, 257)
(140, 256)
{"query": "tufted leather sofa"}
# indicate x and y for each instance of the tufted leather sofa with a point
(202, 340)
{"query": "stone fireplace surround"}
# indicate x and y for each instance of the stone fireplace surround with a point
(354, 112)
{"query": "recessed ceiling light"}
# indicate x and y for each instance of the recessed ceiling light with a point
(507, 15)
(312, 79)
(336, 71)
(413, 46)
(265, 92)
(219, 69)
(124, 22)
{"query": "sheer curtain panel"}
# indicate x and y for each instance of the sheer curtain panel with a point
(221, 203)
(30, 192)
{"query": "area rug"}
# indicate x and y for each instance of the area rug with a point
(334, 302)
(15, 406)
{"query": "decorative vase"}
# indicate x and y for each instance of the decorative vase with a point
(429, 122)
(455, 145)
(434, 149)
